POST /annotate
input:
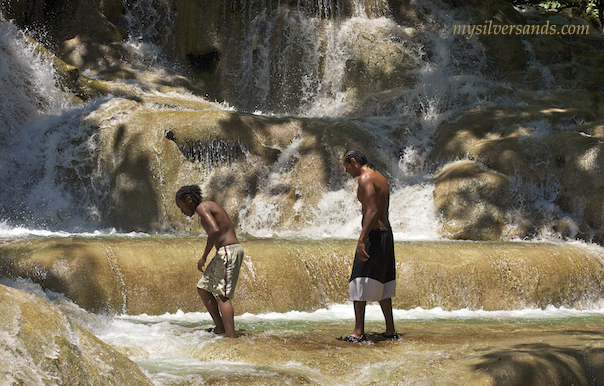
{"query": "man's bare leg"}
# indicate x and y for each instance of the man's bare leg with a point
(386, 305)
(359, 318)
(228, 315)
(212, 306)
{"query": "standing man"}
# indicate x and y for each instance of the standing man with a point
(217, 284)
(373, 275)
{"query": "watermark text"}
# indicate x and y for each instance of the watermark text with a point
(488, 28)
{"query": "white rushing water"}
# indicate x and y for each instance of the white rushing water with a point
(309, 61)
(38, 141)
(171, 347)
(51, 186)
(49, 166)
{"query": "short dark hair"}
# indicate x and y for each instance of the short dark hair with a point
(192, 191)
(359, 156)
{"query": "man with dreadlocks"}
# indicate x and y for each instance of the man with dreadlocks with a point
(217, 284)
(373, 275)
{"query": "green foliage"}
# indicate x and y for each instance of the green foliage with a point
(550, 5)
(588, 9)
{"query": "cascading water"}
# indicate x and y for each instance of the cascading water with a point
(49, 170)
(51, 173)
(311, 77)
(294, 61)
(311, 60)
(28, 82)
(149, 22)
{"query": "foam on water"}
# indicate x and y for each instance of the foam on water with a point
(338, 313)
(170, 347)
(185, 326)
(14, 232)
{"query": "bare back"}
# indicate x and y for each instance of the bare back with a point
(216, 222)
(374, 193)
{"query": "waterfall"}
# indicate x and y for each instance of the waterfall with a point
(149, 24)
(288, 60)
(51, 178)
(49, 170)
(301, 62)
(337, 61)
(27, 82)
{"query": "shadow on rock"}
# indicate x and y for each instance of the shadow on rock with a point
(543, 364)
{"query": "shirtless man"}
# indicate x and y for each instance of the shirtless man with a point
(217, 284)
(373, 275)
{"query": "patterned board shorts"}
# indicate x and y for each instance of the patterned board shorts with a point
(220, 276)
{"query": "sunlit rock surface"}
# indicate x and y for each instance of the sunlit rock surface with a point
(39, 345)
(472, 200)
(160, 144)
(158, 275)
(563, 164)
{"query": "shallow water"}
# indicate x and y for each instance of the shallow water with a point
(437, 346)
(456, 347)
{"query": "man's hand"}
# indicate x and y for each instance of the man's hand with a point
(361, 253)
(201, 263)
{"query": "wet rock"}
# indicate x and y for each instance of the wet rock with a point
(105, 275)
(41, 346)
(546, 147)
(159, 144)
(472, 200)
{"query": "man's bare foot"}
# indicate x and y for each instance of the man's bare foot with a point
(393, 336)
(215, 330)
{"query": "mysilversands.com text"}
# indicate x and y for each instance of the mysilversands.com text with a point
(488, 28)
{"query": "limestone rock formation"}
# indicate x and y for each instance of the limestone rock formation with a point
(41, 346)
(105, 275)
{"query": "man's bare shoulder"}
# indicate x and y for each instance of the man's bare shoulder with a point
(375, 181)
(209, 207)
(372, 176)
(212, 206)
(367, 175)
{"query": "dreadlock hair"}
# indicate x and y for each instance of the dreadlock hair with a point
(359, 156)
(192, 191)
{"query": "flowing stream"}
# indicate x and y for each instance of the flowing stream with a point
(52, 188)
(51, 173)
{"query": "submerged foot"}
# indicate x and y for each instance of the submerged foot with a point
(354, 339)
(214, 330)
(394, 336)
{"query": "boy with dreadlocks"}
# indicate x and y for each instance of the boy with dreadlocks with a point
(373, 275)
(217, 284)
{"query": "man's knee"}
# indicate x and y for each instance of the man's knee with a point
(205, 295)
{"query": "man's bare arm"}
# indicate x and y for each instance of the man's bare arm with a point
(211, 227)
